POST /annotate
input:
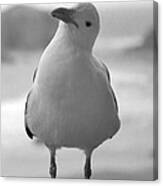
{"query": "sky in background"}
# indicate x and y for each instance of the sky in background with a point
(122, 18)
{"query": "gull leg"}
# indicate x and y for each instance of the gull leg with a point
(53, 166)
(87, 168)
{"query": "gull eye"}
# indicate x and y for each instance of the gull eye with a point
(88, 23)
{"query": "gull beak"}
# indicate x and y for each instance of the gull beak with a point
(64, 14)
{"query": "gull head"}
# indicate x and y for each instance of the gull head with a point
(81, 23)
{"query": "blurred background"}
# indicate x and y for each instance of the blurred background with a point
(125, 45)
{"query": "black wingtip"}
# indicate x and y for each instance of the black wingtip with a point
(34, 75)
(29, 133)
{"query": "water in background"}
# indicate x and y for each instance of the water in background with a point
(125, 45)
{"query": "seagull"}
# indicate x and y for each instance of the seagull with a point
(71, 103)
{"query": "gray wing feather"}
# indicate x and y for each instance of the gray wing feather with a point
(109, 79)
(28, 131)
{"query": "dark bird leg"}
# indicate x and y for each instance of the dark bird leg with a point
(87, 168)
(53, 166)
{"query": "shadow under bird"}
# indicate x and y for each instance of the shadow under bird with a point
(71, 102)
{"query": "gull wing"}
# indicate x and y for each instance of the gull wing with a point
(34, 74)
(29, 133)
(109, 81)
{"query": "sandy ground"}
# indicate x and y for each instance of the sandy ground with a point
(129, 155)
